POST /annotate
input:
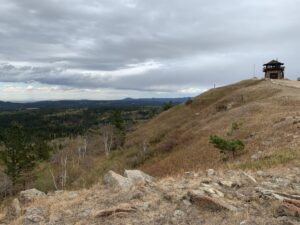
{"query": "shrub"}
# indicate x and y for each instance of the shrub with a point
(227, 146)
(189, 102)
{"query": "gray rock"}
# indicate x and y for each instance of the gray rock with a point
(137, 176)
(29, 195)
(230, 184)
(248, 222)
(187, 202)
(212, 191)
(210, 172)
(114, 180)
(178, 214)
(35, 216)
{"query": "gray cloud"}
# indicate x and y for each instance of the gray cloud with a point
(196, 43)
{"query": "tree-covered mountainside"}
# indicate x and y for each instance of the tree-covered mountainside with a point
(127, 102)
(54, 119)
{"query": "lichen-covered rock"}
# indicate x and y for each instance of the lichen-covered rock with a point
(137, 176)
(116, 181)
(29, 195)
(35, 216)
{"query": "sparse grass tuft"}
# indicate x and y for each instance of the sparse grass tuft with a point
(281, 157)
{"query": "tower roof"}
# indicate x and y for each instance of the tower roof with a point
(274, 62)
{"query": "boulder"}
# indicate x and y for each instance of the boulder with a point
(137, 176)
(116, 181)
(29, 195)
(35, 216)
(132, 177)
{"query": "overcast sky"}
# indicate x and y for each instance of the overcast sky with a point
(110, 49)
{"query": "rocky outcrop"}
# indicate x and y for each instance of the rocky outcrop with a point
(29, 195)
(137, 176)
(222, 197)
(35, 216)
(116, 181)
(130, 178)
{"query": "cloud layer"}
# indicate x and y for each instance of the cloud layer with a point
(141, 46)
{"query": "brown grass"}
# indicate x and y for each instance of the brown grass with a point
(178, 138)
(278, 158)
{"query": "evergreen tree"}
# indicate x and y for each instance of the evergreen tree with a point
(42, 150)
(119, 131)
(16, 153)
(226, 146)
(117, 120)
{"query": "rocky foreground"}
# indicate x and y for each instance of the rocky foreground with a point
(211, 198)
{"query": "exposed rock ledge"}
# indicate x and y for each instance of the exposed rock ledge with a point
(228, 197)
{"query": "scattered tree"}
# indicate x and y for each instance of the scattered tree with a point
(82, 149)
(117, 120)
(107, 138)
(227, 146)
(42, 150)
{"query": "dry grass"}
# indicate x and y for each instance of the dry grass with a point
(178, 138)
(278, 158)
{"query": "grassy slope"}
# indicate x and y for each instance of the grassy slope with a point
(178, 139)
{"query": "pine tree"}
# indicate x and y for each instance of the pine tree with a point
(16, 153)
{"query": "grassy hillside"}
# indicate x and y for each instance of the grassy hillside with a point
(268, 118)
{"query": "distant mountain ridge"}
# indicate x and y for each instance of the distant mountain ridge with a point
(127, 102)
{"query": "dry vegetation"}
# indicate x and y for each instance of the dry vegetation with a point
(177, 140)
(245, 196)
(269, 118)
